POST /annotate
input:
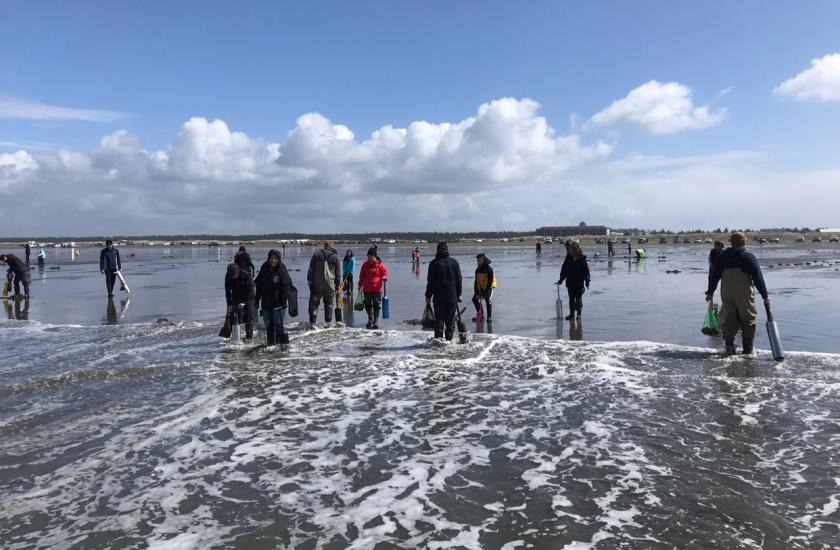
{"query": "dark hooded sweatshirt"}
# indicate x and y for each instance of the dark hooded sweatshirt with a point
(272, 285)
(15, 264)
(239, 287)
(243, 260)
(444, 279)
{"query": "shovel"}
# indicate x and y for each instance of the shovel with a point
(462, 328)
(559, 304)
(773, 336)
(339, 313)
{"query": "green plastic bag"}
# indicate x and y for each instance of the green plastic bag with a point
(710, 323)
(359, 304)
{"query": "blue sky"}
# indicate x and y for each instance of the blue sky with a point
(258, 66)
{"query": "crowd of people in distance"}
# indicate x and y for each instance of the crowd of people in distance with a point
(269, 294)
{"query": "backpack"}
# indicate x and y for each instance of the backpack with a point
(329, 272)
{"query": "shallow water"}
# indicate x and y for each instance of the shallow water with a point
(145, 435)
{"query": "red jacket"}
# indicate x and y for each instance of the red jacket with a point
(371, 276)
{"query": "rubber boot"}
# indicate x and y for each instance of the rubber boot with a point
(570, 316)
(489, 312)
(748, 346)
(249, 331)
(284, 340)
(270, 338)
(375, 324)
(730, 348)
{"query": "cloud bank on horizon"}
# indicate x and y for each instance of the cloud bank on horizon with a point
(505, 167)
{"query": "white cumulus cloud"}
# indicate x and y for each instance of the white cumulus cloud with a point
(22, 108)
(320, 177)
(821, 82)
(659, 108)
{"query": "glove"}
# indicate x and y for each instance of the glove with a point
(587, 284)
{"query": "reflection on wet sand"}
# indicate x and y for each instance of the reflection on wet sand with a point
(17, 308)
(111, 315)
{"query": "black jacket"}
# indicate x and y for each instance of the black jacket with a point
(444, 279)
(243, 260)
(575, 272)
(15, 264)
(239, 290)
(737, 258)
(272, 285)
(109, 260)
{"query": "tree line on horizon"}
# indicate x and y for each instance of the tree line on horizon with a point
(429, 236)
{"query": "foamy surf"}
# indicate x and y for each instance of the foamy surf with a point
(148, 435)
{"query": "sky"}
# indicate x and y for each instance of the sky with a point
(261, 117)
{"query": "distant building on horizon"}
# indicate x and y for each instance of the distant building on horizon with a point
(572, 230)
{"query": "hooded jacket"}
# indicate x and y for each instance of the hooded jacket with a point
(443, 281)
(372, 276)
(575, 272)
(485, 276)
(349, 264)
(15, 264)
(272, 285)
(239, 287)
(243, 260)
(737, 257)
(315, 274)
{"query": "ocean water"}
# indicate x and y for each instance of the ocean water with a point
(117, 431)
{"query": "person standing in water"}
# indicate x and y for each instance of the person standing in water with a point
(714, 253)
(575, 272)
(485, 282)
(539, 249)
(239, 294)
(27, 250)
(372, 276)
(443, 288)
(740, 275)
(272, 287)
(323, 277)
(348, 268)
(610, 248)
(18, 272)
(109, 265)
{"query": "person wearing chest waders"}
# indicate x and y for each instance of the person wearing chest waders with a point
(323, 277)
(740, 275)
(575, 272)
(272, 297)
(239, 294)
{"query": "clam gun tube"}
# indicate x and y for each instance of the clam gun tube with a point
(386, 302)
(773, 336)
(559, 303)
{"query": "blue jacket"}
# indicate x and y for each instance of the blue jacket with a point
(349, 265)
(109, 260)
(737, 258)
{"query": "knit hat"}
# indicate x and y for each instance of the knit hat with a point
(441, 247)
(738, 239)
(232, 271)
